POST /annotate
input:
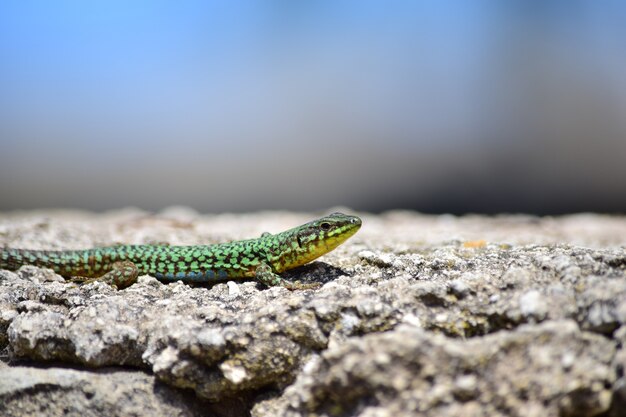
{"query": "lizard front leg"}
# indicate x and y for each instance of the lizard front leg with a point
(268, 277)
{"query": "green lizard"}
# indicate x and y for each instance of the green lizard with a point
(263, 258)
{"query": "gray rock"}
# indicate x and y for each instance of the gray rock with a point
(532, 304)
(492, 316)
(409, 371)
(112, 392)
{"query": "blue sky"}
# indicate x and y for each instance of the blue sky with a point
(185, 62)
(172, 92)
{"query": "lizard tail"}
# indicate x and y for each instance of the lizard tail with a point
(10, 259)
(85, 263)
(13, 259)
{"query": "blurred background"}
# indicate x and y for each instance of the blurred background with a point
(437, 106)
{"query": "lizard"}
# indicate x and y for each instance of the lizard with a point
(263, 258)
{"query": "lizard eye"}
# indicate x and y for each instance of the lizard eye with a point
(325, 226)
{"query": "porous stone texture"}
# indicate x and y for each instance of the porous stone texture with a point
(418, 315)
(54, 391)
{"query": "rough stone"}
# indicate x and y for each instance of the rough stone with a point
(28, 391)
(424, 315)
(411, 371)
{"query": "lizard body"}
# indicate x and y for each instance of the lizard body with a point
(262, 258)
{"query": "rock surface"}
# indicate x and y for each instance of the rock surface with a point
(418, 315)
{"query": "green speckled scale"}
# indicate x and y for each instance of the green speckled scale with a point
(263, 258)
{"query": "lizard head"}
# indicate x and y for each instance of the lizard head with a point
(316, 238)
